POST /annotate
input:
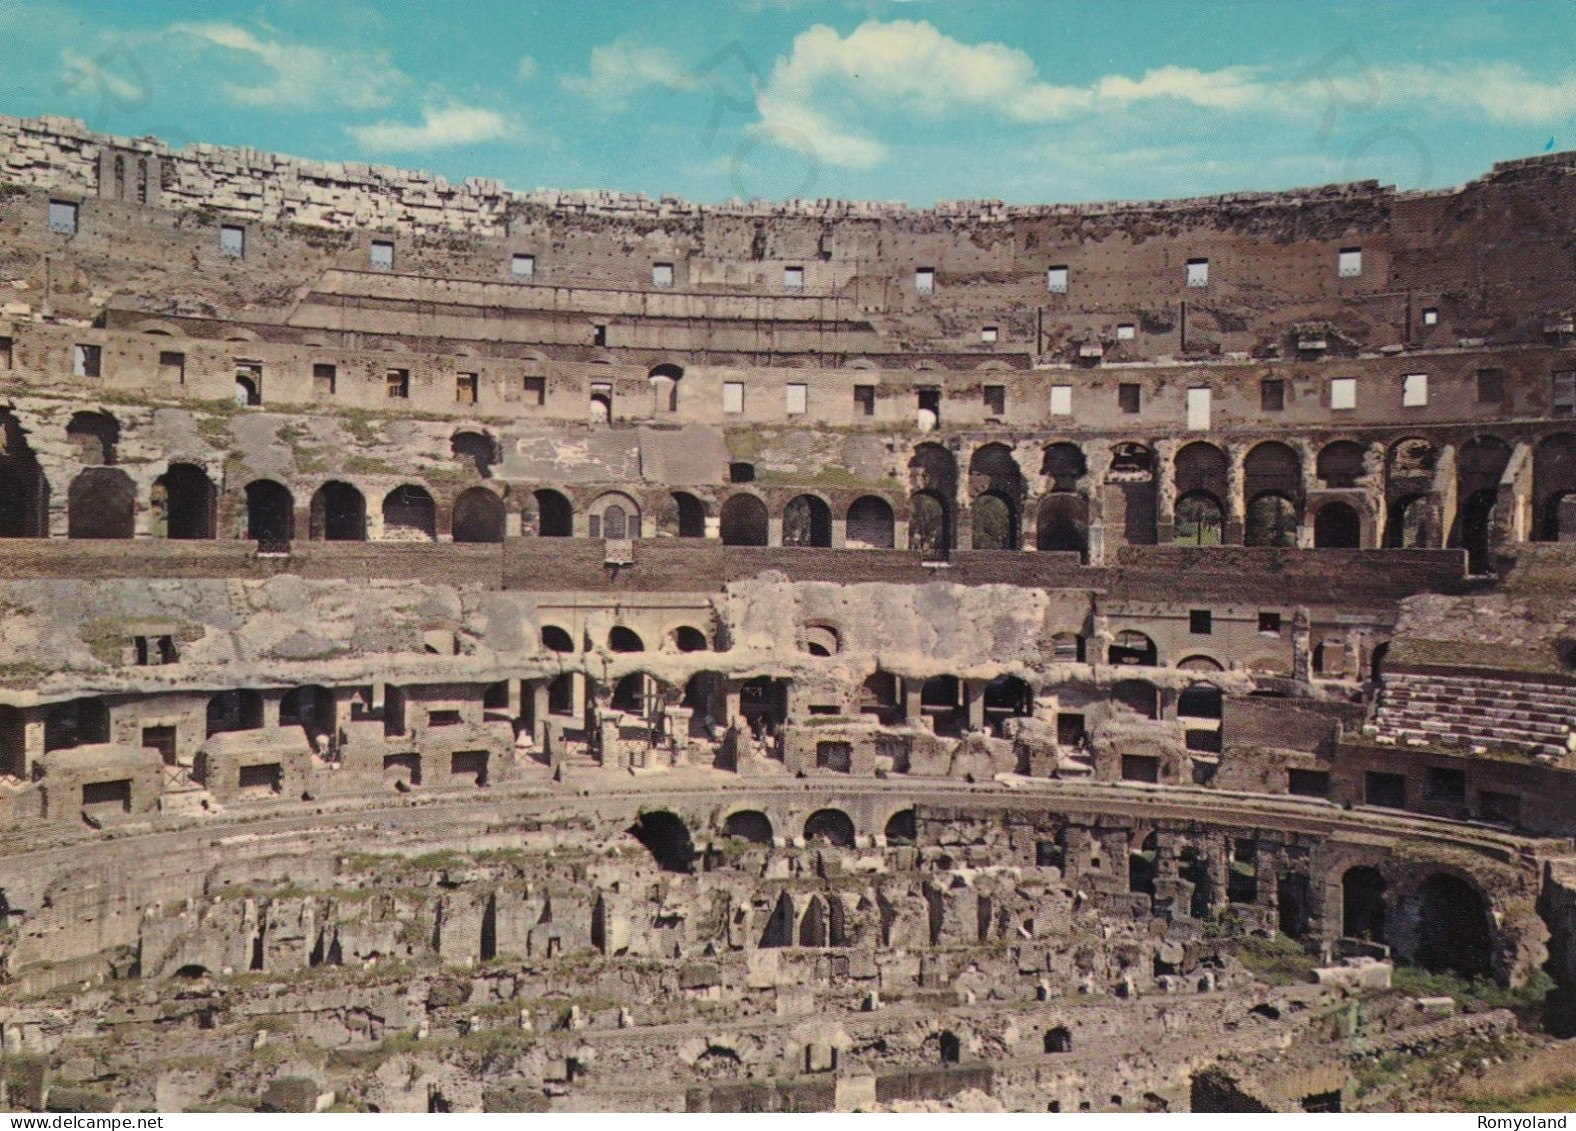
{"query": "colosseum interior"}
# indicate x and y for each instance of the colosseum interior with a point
(474, 650)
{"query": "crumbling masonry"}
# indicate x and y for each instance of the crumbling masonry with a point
(466, 649)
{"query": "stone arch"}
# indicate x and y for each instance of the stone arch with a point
(685, 516)
(993, 521)
(930, 524)
(902, 827)
(992, 468)
(749, 825)
(554, 515)
(1554, 488)
(270, 512)
(1201, 467)
(613, 515)
(235, 710)
(1064, 465)
(1408, 460)
(476, 450)
(667, 838)
(1063, 524)
(1200, 663)
(409, 514)
(1337, 526)
(1272, 466)
(101, 503)
(1133, 648)
(829, 826)
(1200, 520)
(1454, 928)
(338, 513)
(1406, 526)
(1132, 471)
(744, 521)
(1480, 464)
(869, 523)
(664, 381)
(1200, 700)
(94, 436)
(1141, 866)
(622, 638)
(478, 516)
(1363, 903)
(1341, 464)
(688, 638)
(185, 503)
(933, 468)
(1058, 1039)
(1137, 695)
(820, 639)
(1007, 697)
(807, 521)
(556, 638)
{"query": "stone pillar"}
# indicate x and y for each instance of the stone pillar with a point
(1236, 505)
(577, 700)
(272, 700)
(1166, 492)
(774, 530)
(911, 699)
(974, 702)
(839, 533)
(730, 703)
(539, 711)
(32, 738)
(516, 689)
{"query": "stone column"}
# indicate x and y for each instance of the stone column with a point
(974, 703)
(32, 738)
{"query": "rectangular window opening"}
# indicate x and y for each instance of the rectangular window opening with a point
(1272, 395)
(793, 278)
(733, 396)
(232, 241)
(797, 398)
(536, 390)
(523, 267)
(467, 388)
(1343, 393)
(1490, 386)
(990, 335)
(1061, 400)
(1200, 622)
(1130, 398)
(1270, 624)
(397, 382)
(5, 353)
(1198, 272)
(1349, 263)
(85, 360)
(324, 379)
(662, 275)
(1126, 331)
(172, 367)
(1414, 390)
(995, 400)
(1198, 409)
(1430, 316)
(925, 280)
(1056, 280)
(63, 217)
(865, 400)
(381, 255)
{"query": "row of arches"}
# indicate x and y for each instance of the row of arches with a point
(669, 840)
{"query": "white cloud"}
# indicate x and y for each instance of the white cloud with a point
(303, 77)
(452, 124)
(621, 68)
(526, 70)
(1501, 92)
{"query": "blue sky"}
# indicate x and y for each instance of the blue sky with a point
(914, 100)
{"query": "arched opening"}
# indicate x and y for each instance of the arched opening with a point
(748, 825)
(78, 722)
(478, 516)
(994, 521)
(555, 518)
(929, 526)
(820, 640)
(1063, 524)
(1137, 695)
(1337, 526)
(1199, 701)
(270, 512)
(184, 503)
(1453, 933)
(1058, 1040)
(1340, 464)
(474, 450)
(1200, 520)
(1133, 648)
(951, 1047)
(1133, 473)
(1271, 521)
(869, 524)
(689, 517)
(235, 710)
(1407, 527)
(1064, 465)
(902, 827)
(1273, 468)
(601, 408)
(763, 701)
(1362, 904)
(630, 695)
(1007, 697)
(615, 517)
(314, 710)
(94, 436)
(829, 826)
(688, 638)
(24, 490)
(1554, 488)
(933, 468)
(1293, 904)
(744, 521)
(1201, 472)
(247, 391)
(621, 638)
(556, 639)
(1193, 869)
(409, 515)
(1141, 866)
(941, 700)
(667, 838)
(664, 381)
(339, 514)
(807, 521)
(1480, 465)
(101, 503)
